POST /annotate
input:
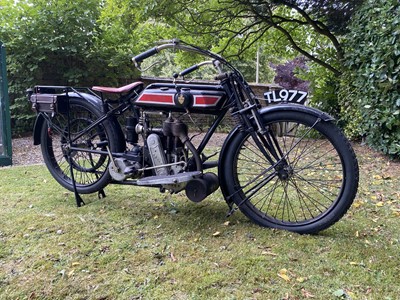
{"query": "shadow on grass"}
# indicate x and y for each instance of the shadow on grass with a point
(141, 205)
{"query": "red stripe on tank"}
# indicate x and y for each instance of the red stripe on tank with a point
(156, 98)
(206, 100)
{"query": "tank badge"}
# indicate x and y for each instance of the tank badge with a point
(181, 99)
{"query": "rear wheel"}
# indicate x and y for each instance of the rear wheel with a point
(308, 186)
(90, 169)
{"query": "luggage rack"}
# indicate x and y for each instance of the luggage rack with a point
(51, 99)
(49, 89)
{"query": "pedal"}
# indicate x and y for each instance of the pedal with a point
(168, 179)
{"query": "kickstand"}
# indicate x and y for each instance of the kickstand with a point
(78, 199)
(101, 194)
(231, 210)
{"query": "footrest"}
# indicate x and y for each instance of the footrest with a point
(168, 179)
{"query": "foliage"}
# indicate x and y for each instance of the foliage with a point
(45, 40)
(280, 29)
(350, 112)
(336, 14)
(139, 244)
(373, 59)
(323, 89)
(53, 42)
(286, 74)
(242, 24)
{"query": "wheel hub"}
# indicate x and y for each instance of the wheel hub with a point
(284, 171)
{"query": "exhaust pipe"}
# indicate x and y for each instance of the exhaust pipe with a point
(199, 188)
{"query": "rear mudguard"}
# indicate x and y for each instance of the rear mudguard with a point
(96, 103)
(264, 111)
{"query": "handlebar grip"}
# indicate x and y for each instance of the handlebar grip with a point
(189, 70)
(142, 56)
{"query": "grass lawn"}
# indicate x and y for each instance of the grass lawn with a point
(139, 244)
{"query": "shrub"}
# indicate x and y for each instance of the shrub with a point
(54, 43)
(323, 89)
(371, 85)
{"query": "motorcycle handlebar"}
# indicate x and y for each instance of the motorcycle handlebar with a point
(176, 44)
(142, 56)
(189, 70)
(173, 44)
(195, 67)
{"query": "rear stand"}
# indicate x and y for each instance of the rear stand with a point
(78, 198)
(79, 201)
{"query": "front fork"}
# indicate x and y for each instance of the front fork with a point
(265, 140)
(268, 145)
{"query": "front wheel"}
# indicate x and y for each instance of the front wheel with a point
(308, 182)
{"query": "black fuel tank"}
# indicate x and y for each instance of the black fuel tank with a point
(207, 99)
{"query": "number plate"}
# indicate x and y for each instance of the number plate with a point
(293, 96)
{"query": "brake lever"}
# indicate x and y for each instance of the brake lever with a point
(152, 65)
(137, 65)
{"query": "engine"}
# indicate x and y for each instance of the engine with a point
(160, 153)
(161, 159)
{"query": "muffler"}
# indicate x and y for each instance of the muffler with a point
(199, 188)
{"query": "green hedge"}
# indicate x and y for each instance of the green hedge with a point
(370, 91)
(56, 43)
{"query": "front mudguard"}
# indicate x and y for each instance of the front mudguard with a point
(263, 112)
(96, 103)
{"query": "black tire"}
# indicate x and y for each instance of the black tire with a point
(308, 190)
(90, 170)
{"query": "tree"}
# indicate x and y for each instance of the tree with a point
(335, 15)
(245, 22)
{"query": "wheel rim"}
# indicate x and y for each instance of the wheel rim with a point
(302, 187)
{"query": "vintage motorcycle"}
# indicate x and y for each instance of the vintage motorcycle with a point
(284, 165)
